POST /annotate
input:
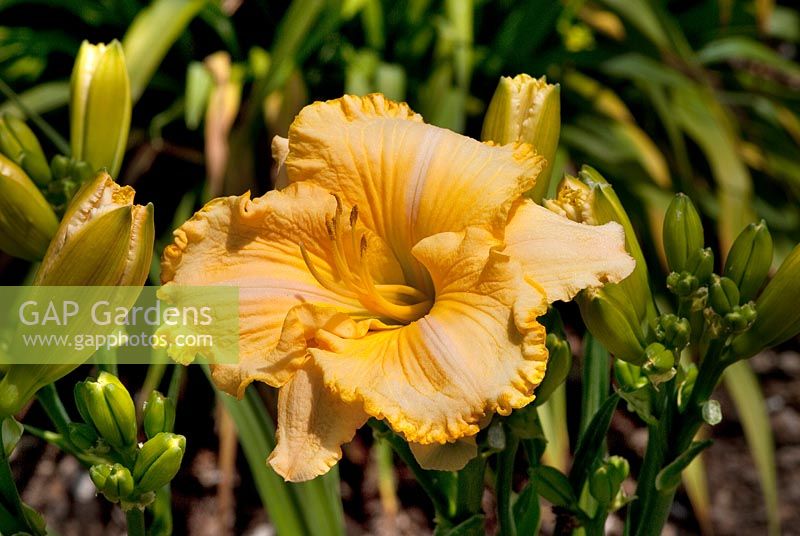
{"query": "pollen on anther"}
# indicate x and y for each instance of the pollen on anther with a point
(353, 216)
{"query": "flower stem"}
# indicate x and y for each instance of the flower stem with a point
(505, 473)
(135, 520)
(51, 402)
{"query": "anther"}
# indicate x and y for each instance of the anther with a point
(353, 216)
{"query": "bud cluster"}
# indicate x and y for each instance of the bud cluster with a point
(133, 471)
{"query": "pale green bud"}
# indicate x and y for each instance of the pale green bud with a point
(113, 481)
(526, 109)
(199, 83)
(82, 435)
(723, 295)
(100, 106)
(103, 240)
(659, 363)
(683, 232)
(605, 482)
(110, 409)
(559, 364)
(672, 331)
(778, 317)
(611, 318)
(749, 259)
(27, 223)
(158, 461)
(19, 143)
(159, 414)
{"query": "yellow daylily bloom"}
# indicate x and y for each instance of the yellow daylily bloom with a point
(398, 275)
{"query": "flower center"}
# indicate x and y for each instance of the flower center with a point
(353, 279)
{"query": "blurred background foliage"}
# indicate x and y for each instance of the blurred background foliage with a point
(659, 95)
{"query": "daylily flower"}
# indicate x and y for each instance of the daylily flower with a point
(399, 275)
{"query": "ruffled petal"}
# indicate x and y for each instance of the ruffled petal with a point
(562, 256)
(410, 180)
(254, 245)
(313, 424)
(447, 457)
(478, 351)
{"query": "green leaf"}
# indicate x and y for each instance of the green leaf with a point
(670, 476)
(39, 99)
(742, 385)
(554, 486)
(737, 48)
(471, 527)
(527, 512)
(596, 379)
(11, 432)
(150, 36)
(696, 485)
(591, 444)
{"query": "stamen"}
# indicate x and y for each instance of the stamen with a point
(354, 277)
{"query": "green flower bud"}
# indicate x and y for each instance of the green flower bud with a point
(711, 412)
(113, 481)
(159, 414)
(778, 317)
(672, 331)
(27, 223)
(613, 321)
(605, 482)
(723, 295)
(590, 199)
(683, 232)
(158, 461)
(100, 106)
(104, 240)
(682, 284)
(559, 364)
(749, 259)
(82, 435)
(525, 109)
(701, 264)
(113, 246)
(741, 318)
(68, 176)
(110, 410)
(19, 143)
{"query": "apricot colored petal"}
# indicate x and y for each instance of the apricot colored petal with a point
(562, 256)
(313, 423)
(254, 245)
(410, 180)
(478, 351)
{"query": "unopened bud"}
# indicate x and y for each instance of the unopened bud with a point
(100, 106)
(613, 321)
(723, 295)
(701, 264)
(19, 143)
(749, 259)
(526, 109)
(778, 316)
(104, 239)
(683, 232)
(110, 409)
(27, 223)
(559, 364)
(113, 481)
(629, 377)
(158, 461)
(605, 482)
(672, 331)
(159, 414)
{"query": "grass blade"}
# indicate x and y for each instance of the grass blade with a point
(742, 385)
